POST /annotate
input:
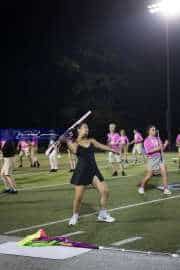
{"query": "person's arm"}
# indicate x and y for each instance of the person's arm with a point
(102, 146)
(72, 146)
(161, 147)
(178, 141)
(18, 146)
(165, 144)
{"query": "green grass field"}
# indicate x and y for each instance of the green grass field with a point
(44, 198)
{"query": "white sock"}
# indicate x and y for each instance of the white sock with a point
(102, 212)
(76, 215)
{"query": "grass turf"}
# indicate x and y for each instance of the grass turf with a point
(157, 223)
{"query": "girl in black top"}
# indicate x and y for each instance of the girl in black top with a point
(87, 173)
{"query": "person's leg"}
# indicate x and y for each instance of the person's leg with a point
(103, 191)
(55, 162)
(114, 168)
(6, 183)
(21, 154)
(164, 175)
(125, 153)
(11, 182)
(104, 196)
(7, 174)
(113, 163)
(79, 192)
(51, 162)
(134, 153)
(74, 160)
(71, 162)
(29, 157)
(145, 180)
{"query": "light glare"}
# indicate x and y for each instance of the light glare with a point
(169, 8)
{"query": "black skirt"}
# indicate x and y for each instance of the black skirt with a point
(86, 168)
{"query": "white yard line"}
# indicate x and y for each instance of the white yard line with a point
(126, 241)
(73, 233)
(91, 214)
(41, 187)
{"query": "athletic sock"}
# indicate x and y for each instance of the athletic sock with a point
(102, 212)
(76, 215)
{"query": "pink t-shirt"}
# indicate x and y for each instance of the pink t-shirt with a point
(34, 143)
(138, 138)
(178, 139)
(150, 143)
(123, 140)
(24, 145)
(114, 141)
(2, 143)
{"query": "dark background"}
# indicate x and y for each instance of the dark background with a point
(65, 57)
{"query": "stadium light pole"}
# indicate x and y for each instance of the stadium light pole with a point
(169, 9)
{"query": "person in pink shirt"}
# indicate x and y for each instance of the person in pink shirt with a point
(178, 147)
(24, 148)
(154, 150)
(33, 152)
(113, 141)
(124, 142)
(138, 146)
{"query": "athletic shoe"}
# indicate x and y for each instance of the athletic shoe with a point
(123, 173)
(12, 191)
(74, 220)
(115, 174)
(52, 170)
(6, 190)
(167, 191)
(106, 218)
(141, 190)
(71, 170)
(20, 166)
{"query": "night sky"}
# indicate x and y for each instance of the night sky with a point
(65, 57)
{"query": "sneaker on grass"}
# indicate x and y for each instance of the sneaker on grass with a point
(74, 220)
(167, 191)
(106, 218)
(141, 190)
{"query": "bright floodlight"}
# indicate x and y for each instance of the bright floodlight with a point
(168, 8)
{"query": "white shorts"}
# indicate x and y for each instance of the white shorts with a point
(8, 166)
(137, 149)
(114, 158)
(24, 152)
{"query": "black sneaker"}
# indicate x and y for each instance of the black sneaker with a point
(38, 164)
(20, 166)
(115, 174)
(123, 173)
(6, 190)
(12, 191)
